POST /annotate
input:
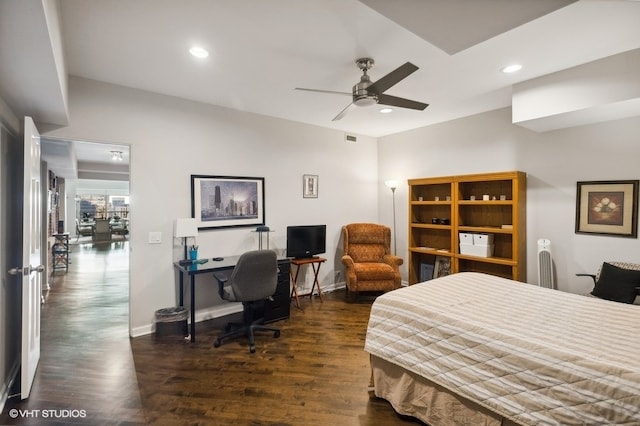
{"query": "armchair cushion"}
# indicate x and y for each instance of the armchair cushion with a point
(617, 284)
(374, 271)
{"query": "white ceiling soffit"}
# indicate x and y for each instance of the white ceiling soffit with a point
(88, 160)
(602, 90)
(33, 75)
(60, 156)
(456, 25)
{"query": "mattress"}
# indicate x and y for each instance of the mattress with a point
(533, 355)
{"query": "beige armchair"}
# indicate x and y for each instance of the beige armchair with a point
(83, 230)
(369, 264)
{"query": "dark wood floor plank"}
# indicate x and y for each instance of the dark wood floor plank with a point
(316, 373)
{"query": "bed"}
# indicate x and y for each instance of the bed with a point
(475, 349)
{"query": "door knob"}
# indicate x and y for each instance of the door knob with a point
(39, 268)
(26, 270)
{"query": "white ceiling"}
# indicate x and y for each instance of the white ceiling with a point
(261, 50)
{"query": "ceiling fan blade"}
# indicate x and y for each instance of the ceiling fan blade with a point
(344, 112)
(400, 102)
(392, 78)
(323, 91)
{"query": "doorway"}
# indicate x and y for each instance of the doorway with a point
(91, 178)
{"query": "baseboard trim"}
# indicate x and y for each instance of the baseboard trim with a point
(201, 315)
(221, 311)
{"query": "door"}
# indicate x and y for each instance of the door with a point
(32, 264)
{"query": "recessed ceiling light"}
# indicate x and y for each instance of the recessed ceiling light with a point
(386, 110)
(511, 68)
(198, 52)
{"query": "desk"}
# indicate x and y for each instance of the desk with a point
(315, 264)
(274, 310)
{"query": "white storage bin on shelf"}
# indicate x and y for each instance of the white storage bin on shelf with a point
(466, 238)
(477, 250)
(482, 239)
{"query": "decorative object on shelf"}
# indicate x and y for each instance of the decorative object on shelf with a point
(442, 267)
(225, 201)
(426, 271)
(392, 185)
(607, 208)
(310, 186)
(185, 228)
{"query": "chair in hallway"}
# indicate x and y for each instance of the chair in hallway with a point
(253, 280)
(101, 231)
(83, 229)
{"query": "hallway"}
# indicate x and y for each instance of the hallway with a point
(85, 324)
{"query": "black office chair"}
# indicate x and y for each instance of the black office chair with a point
(253, 280)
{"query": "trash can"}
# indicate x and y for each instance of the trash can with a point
(171, 324)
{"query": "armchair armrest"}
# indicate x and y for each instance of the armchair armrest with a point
(392, 260)
(347, 261)
(593, 277)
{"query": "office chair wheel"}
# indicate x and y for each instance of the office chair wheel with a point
(216, 343)
(276, 334)
(252, 349)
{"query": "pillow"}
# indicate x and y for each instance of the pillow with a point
(617, 284)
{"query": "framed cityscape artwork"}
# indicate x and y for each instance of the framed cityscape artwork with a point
(227, 201)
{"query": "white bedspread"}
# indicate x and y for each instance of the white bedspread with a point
(533, 355)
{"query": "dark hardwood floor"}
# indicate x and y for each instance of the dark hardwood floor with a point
(91, 372)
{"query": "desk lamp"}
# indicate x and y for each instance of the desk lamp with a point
(185, 228)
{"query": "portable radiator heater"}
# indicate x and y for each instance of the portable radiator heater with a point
(545, 264)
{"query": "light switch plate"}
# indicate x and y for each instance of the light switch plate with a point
(155, 237)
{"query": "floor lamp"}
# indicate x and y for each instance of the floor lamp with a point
(392, 185)
(185, 228)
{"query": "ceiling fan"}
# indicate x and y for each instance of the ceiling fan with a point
(366, 93)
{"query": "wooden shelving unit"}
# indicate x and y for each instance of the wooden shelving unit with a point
(442, 207)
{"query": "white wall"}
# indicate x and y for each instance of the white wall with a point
(171, 139)
(554, 162)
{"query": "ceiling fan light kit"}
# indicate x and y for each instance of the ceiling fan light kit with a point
(367, 93)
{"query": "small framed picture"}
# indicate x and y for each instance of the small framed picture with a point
(426, 271)
(442, 267)
(310, 186)
(607, 208)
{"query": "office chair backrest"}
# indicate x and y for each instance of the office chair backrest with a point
(255, 276)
